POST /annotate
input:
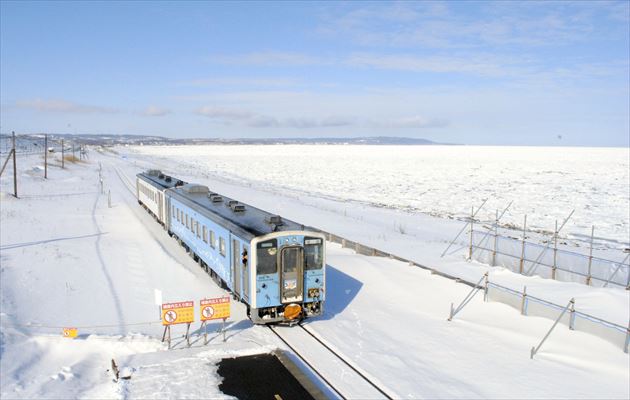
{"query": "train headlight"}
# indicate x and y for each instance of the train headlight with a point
(292, 311)
(313, 292)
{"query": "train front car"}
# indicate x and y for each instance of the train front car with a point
(290, 276)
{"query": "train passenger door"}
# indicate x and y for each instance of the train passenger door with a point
(292, 263)
(236, 266)
(245, 267)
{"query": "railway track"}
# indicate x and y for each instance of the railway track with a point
(339, 374)
(332, 368)
(125, 180)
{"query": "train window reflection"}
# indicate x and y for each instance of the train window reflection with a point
(222, 246)
(313, 254)
(266, 260)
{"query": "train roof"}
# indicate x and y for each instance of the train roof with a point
(159, 179)
(252, 220)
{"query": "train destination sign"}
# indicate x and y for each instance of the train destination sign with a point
(182, 312)
(218, 308)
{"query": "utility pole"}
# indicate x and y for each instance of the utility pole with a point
(14, 169)
(46, 156)
(62, 160)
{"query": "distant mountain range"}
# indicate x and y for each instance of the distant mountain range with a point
(159, 140)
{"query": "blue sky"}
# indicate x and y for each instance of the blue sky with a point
(522, 73)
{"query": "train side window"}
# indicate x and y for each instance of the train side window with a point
(266, 257)
(197, 229)
(313, 254)
(212, 242)
(205, 234)
(222, 246)
(187, 223)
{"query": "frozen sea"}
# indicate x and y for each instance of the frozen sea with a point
(545, 183)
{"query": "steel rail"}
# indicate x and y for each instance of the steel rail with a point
(368, 380)
(301, 357)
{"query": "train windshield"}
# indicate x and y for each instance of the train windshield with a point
(313, 254)
(266, 259)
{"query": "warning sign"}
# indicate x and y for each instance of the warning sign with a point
(218, 308)
(178, 313)
(70, 332)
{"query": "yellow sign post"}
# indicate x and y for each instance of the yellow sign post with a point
(70, 333)
(182, 312)
(215, 308)
(209, 309)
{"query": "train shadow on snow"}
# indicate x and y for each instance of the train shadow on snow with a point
(341, 289)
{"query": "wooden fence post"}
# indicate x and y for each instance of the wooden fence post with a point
(46, 156)
(15, 193)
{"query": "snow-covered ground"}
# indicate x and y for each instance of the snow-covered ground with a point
(69, 260)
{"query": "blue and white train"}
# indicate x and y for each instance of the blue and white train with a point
(273, 265)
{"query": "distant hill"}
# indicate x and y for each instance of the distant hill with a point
(159, 140)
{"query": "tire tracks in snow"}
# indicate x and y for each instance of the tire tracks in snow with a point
(108, 278)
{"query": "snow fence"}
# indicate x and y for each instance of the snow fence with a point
(539, 260)
(575, 320)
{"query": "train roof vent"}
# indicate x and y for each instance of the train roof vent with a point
(179, 183)
(210, 194)
(154, 172)
(216, 199)
(168, 179)
(161, 176)
(193, 188)
(231, 203)
(274, 220)
(238, 207)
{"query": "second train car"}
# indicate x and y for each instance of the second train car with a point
(273, 265)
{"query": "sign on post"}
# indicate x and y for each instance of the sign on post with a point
(218, 308)
(70, 333)
(182, 312)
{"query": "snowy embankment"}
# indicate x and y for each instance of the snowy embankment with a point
(69, 260)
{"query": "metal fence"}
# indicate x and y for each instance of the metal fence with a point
(529, 305)
(575, 320)
(529, 258)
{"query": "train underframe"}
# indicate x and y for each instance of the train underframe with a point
(276, 314)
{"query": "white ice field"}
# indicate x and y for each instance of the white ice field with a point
(544, 182)
(96, 267)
